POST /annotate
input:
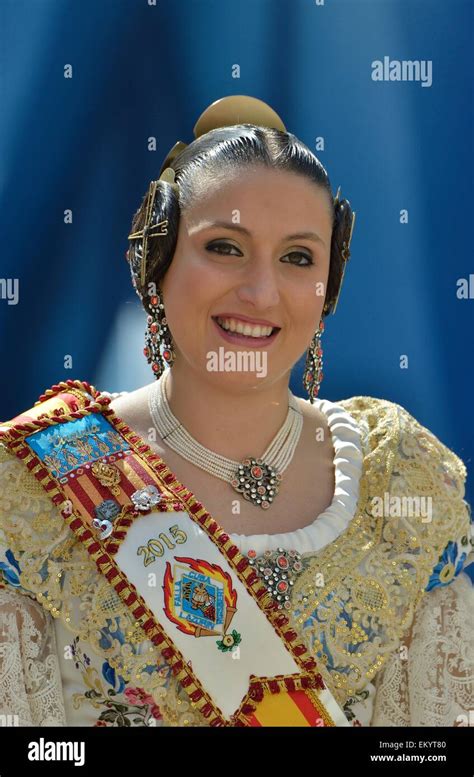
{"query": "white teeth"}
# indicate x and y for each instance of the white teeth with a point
(250, 330)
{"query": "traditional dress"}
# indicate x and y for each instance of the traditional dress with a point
(123, 603)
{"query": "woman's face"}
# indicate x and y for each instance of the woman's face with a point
(257, 270)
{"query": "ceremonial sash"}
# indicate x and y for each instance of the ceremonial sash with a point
(193, 593)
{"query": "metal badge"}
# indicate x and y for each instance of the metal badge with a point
(105, 514)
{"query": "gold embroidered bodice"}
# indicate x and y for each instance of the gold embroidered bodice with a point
(353, 603)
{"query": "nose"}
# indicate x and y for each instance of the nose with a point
(260, 287)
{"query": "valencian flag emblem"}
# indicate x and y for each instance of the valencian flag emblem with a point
(200, 600)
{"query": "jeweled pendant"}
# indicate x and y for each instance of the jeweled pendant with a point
(278, 571)
(257, 482)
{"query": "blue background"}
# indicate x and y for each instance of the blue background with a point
(141, 71)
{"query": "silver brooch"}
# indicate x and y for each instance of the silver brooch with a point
(146, 498)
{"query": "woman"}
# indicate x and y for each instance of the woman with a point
(319, 579)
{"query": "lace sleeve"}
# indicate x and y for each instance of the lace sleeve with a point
(430, 680)
(30, 680)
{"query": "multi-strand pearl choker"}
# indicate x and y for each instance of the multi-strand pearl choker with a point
(257, 479)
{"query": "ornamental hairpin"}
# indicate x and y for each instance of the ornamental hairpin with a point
(149, 229)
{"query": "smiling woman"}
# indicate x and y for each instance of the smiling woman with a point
(150, 538)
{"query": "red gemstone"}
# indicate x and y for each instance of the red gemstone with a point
(282, 587)
(252, 554)
(154, 327)
(167, 355)
(155, 367)
(256, 472)
(282, 562)
(154, 300)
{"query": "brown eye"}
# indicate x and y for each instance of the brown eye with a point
(225, 250)
(307, 257)
(219, 248)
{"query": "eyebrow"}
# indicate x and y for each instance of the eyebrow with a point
(239, 228)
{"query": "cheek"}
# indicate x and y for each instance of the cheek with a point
(194, 283)
(313, 294)
(307, 299)
(306, 311)
(309, 315)
(178, 284)
(188, 291)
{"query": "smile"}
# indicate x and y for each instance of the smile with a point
(233, 330)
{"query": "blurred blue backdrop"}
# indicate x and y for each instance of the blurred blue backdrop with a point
(142, 70)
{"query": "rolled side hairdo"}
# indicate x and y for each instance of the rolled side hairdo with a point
(340, 251)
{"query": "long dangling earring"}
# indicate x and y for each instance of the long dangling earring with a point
(313, 373)
(158, 343)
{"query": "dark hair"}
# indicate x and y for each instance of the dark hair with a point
(211, 156)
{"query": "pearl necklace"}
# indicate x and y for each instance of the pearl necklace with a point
(256, 479)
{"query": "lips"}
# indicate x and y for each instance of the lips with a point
(243, 327)
(237, 338)
(247, 320)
